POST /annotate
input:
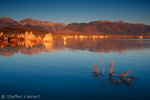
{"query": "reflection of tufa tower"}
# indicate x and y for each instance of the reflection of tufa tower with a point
(47, 41)
(48, 45)
(64, 41)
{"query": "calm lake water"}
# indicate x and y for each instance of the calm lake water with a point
(61, 70)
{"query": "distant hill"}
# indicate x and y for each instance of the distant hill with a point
(6, 21)
(45, 25)
(105, 27)
(9, 26)
(108, 27)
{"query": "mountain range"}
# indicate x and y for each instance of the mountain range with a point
(105, 27)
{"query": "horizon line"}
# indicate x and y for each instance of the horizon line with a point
(76, 22)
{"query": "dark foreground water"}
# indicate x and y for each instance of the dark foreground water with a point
(61, 70)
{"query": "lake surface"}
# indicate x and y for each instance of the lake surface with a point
(62, 70)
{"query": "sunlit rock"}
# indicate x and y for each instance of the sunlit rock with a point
(12, 39)
(76, 36)
(39, 38)
(26, 35)
(81, 36)
(1, 34)
(12, 35)
(5, 38)
(48, 37)
(94, 36)
(30, 36)
(141, 37)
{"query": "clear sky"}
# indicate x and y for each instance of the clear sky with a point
(68, 11)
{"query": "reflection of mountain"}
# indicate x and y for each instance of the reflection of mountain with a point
(106, 45)
(94, 45)
(26, 47)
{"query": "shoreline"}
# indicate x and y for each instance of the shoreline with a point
(50, 36)
(98, 36)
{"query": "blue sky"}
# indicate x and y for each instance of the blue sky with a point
(68, 11)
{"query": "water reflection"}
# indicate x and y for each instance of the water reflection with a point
(95, 45)
(126, 78)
